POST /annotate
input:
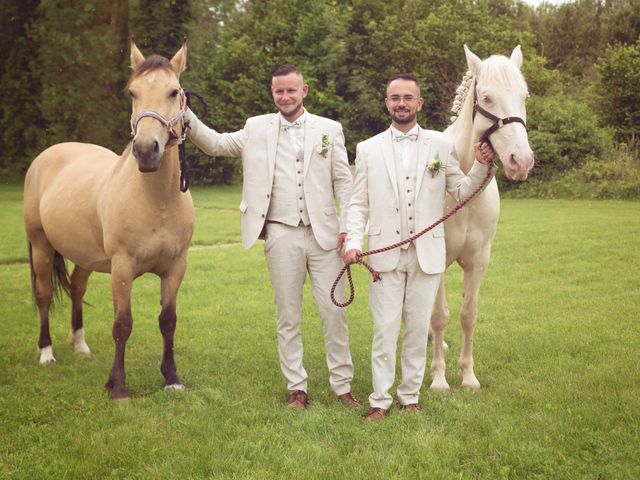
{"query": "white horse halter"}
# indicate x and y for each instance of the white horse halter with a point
(170, 124)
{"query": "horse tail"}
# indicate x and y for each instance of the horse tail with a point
(60, 278)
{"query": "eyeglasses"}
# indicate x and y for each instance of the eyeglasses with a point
(405, 98)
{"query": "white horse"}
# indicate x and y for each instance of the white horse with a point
(490, 100)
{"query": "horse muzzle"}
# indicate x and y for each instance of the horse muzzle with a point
(517, 165)
(148, 154)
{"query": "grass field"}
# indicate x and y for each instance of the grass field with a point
(556, 349)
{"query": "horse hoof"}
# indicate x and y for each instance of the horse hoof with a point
(174, 386)
(120, 395)
(83, 349)
(76, 340)
(471, 386)
(46, 356)
(439, 386)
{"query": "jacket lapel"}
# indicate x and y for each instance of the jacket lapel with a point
(387, 155)
(423, 157)
(273, 130)
(310, 133)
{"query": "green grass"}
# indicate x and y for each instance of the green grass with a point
(556, 351)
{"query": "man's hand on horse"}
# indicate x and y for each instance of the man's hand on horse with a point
(484, 152)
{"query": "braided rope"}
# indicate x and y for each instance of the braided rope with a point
(374, 274)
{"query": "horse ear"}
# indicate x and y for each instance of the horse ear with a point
(516, 56)
(473, 61)
(179, 60)
(136, 57)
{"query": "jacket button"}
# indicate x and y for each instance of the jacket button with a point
(263, 215)
(398, 232)
(268, 195)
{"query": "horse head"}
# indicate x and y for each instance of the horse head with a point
(499, 109)
(158, 105)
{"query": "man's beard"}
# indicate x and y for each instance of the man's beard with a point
(403, 121)
(295, 110)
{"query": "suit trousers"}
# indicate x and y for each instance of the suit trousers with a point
(405, 295)
(291, 252)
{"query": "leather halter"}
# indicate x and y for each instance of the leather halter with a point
(174, 138)
(497, 121)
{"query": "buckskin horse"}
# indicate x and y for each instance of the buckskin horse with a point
(125, 215)
(490, 104)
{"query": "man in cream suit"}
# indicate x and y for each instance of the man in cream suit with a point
(294, 167)
(401, 178)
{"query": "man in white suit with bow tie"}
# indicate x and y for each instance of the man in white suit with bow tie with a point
(401, 178)
(295, 169)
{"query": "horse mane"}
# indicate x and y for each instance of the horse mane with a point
(500, 70)
(149, 64)
(461, 95)
(496, 69)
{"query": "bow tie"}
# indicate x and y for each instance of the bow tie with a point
(405, 136)
(296, 124)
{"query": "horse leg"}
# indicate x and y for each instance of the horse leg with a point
(79, 280)
(170, 283)
(41, 259)
(439, 321)
(468, 318)
(121, 284)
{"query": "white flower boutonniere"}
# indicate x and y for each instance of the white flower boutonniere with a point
(434, 166)
(323, 148)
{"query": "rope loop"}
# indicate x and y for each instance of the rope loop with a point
(375, 276)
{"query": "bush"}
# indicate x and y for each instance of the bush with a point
(616, 177)
(564, 134)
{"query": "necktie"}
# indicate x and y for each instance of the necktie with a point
(295, 124)
(405, 136)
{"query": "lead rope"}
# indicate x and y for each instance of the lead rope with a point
(184, 166)
(374, 274)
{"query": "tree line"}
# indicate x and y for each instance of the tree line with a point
(65, 65)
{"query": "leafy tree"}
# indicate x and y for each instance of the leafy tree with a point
(81, 97)
(618, 91)
(159, 26)
(622, 21)
(570, 36)
(564, 134)
(22, 126)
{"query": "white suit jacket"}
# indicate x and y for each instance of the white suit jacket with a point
(326, 176)
(375, 198)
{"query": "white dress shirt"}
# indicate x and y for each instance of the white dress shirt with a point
(405, 146)
(295, 129)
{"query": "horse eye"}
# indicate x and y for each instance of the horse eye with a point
(486, 99)
(174, 93)
(131, 94)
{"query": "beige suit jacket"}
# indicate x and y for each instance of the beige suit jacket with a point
(327, 177)
(375, 198)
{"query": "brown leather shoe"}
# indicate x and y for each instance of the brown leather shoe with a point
(411, 407)
(298, 400)
(376, 414)
(348, 400)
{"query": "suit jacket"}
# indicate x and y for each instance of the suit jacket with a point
(375, 198)
(327, 176)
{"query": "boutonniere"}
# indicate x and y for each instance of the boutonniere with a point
(323, 148)
(434, 166)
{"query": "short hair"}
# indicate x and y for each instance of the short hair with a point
(404, 76)
(285, 69)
